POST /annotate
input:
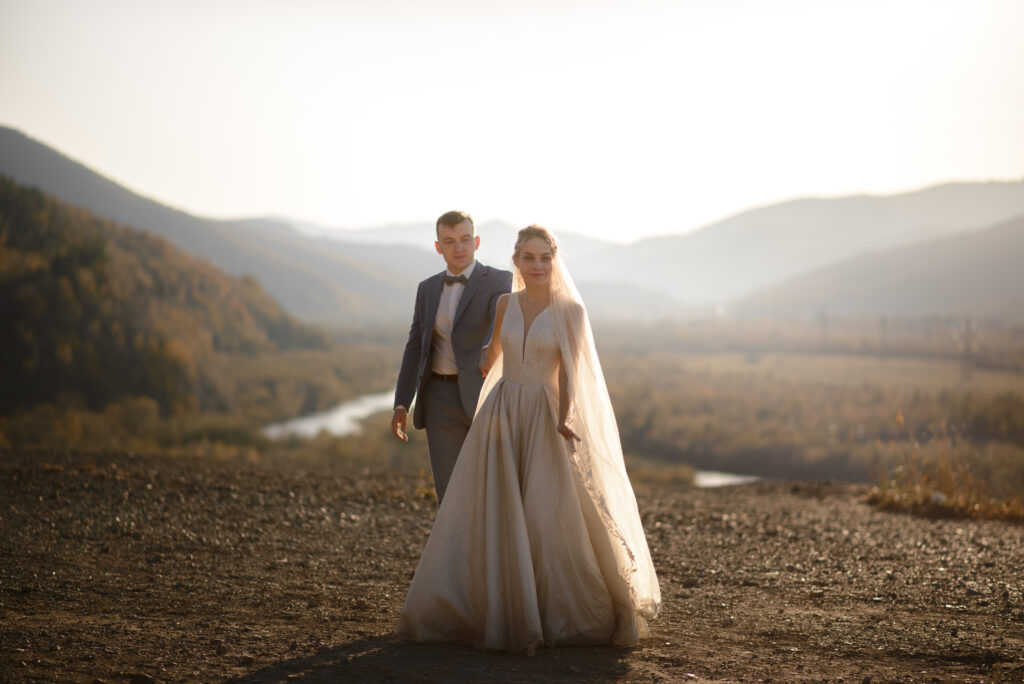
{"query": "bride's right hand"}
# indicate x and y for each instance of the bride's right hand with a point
(568, 433)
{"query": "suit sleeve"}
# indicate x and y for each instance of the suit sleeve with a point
(405, 389)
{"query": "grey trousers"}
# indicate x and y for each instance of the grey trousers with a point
(446, 423)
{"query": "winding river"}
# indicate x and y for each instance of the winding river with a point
(345, 419)
(341, 420)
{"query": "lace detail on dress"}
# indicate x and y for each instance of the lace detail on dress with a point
(648, 608)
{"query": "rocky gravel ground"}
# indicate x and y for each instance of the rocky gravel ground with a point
(123, 568)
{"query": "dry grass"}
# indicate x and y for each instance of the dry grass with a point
(956, 482)
(648, 473)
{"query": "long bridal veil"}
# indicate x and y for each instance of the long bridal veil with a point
(597, 456)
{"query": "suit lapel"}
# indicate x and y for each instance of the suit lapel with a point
(475, 280)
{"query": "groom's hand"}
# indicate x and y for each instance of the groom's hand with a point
(398, 422)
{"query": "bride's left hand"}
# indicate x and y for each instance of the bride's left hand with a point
(567, 432)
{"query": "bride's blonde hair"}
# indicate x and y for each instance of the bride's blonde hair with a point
(535, 231)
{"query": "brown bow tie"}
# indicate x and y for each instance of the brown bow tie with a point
(451, 280)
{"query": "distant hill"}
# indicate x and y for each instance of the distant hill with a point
(497, 239)
(624, 303)
(764, 246)
(605, 300)
(979, 273)
(91, 311)
(316, 279)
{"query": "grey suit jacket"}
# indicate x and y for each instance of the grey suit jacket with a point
(471, 332)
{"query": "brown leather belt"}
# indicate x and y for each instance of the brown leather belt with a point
(445, 378)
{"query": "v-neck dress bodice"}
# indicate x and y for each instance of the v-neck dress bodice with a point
(530, 357)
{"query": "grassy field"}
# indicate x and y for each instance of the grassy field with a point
(901, 374)
(934, 438)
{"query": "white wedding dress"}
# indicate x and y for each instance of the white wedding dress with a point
(518, 555)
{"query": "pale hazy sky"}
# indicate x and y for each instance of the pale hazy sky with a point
(615, 119)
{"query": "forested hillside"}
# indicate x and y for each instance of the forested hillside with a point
(91, 312)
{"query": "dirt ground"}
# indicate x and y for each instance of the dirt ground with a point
(121, 568)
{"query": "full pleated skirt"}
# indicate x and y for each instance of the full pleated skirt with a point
(517, 556)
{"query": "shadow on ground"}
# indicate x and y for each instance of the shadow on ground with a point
(388, 658)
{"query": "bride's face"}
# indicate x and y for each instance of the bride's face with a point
(534, 261)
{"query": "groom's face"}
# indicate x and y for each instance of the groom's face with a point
(458, 245)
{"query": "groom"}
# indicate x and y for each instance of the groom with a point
(451, 326)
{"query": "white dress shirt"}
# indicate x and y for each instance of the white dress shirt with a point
(442, 352)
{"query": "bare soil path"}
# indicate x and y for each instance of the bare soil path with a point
(133, 568)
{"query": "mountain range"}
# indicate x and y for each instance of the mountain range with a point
(761, 247)
(319, 280)
(762, 258)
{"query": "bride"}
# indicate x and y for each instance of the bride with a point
(538, 539)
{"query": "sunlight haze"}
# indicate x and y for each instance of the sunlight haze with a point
(612, 119)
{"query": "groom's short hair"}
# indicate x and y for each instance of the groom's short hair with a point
(452, 219)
